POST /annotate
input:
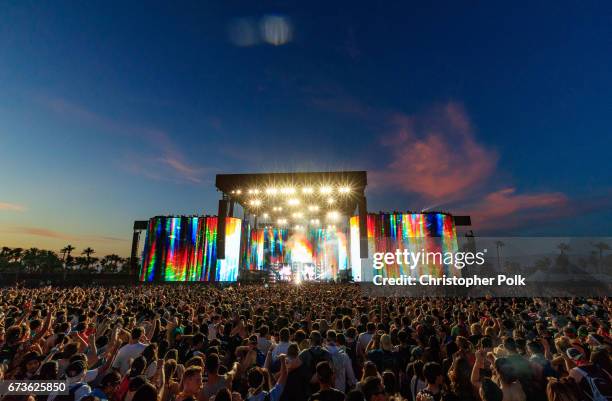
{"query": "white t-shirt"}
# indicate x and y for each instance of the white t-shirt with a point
(126, 354)
(281, 348)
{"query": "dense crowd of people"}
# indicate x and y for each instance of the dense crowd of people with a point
(299, 343)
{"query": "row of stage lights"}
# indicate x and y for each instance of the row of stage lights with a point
(291, 202)
(273, 191)
(331, 216)
(301, 227)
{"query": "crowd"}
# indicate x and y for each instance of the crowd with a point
(299, 343)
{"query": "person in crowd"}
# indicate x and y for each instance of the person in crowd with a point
(325, 378)
(292, 343)
(341, 362)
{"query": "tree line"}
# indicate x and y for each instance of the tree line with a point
(42, 260)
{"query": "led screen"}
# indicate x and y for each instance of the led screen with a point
(430, 232)
(325, 248)
(185, 249)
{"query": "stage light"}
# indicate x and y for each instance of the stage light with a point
(314, 221)
(307, 190)
(255, 202)
(288, 191)
(331, 227)
(282, 221)
(325, 190)
(344, 190)
(253, 191)
(238, 192)
(265, 215)
(333, 215)
(271, 191)
(330, 201)
(297, 215)
(293, 202)
(313, 208)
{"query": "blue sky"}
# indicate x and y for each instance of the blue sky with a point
(111, 112)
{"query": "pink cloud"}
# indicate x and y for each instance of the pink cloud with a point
(47, 233)
(42, 232)
(505, 208)
(435, 155)
(12, 207)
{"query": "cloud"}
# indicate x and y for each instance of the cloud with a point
(42, 232)
(47, 233)
(435, 155)
(12, 207)
(171, 165)
(506, 208)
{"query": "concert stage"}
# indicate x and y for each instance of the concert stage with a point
(294, 227)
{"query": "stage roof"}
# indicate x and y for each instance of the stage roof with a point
(286, 198)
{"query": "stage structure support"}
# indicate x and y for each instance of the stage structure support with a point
(231, 208)
(221, 215)
(139, 226)
(363, 227)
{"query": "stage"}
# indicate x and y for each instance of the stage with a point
(295, 227)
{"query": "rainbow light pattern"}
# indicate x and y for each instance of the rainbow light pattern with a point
(185, 249)
(320, 246)
(432, 232)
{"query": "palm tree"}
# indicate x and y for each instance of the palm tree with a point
(30, 259)
(601, 247)
(111, 261)
(563, 247)
(6, 251)
(88, 252)
(499, 245)
(66, 252)
(16, 254)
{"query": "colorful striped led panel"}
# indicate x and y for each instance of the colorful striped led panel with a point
(431, 232)
(185, 249)
(280, 246)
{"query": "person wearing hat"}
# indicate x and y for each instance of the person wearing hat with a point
(577, 357)
(29, 365)
(75, 378)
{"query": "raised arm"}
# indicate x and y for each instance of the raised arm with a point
(478, 364)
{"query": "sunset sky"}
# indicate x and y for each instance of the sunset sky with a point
(112, 112)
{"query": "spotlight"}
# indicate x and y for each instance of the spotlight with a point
(265, 215)
(313, 208)
(330, 201)
(293, 202)
(238, 192)
(297, 215)
(253, 191)
(255, 202)
(333, 215)
(288, 191)
(307, 190)
(344, 190)
(314, 221)
(282, 221)
(271, 191)
(325, 190)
